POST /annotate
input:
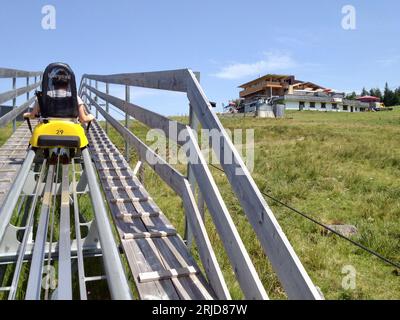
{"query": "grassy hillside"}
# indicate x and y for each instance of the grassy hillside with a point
(339, 168)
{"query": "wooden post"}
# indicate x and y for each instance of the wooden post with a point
(127, 99)
(86, 92)
(200, 201)
(90, 94)
(141, 174)
(97, 99)
(14, 84)
(36, 81)
(107, 105)
(139, 170)
(194, 123)
(28, 93)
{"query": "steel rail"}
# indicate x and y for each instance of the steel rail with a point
(64, 291)
(78, 237)
(52, 215)
(28, 231)
(35, 273)
(116, 278)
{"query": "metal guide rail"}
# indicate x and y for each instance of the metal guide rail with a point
(157, 256)
(37, 244)
(51, 246)
(56, 241)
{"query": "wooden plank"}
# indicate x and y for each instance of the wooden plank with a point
(159, 223)
(140, 258)
(207, 255)
(184, 292)
(284, 260)
(195, 125)
(128, 200)
(8, 159)
(181, 253)
(125, 188)
(206, 251)
(173, 80)
(145, 235)
(166, 274)
(135, 215)
(9, 95)
(243, 267)
(140, 262)
(9, 116)
(189, 286)
(13, 73)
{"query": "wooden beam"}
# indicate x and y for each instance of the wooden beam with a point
(243, 267)
(12, 94)
(166, 274)
(173, 80)
(10, 116)
(13, 73)
(206, 251)
(145, 235)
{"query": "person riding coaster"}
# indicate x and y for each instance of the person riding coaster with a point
(58, 108)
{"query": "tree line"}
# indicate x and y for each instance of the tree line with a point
(389, 97)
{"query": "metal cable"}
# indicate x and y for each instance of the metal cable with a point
(304, 215)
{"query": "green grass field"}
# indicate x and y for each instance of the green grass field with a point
(337, 167)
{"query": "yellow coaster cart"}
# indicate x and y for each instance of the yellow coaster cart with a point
(58, 126)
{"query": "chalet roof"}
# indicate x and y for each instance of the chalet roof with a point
(368, 99)
(308, 83)
(267, 76)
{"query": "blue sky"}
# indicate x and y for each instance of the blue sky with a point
(229, 42)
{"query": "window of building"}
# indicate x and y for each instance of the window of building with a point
(334, 106)
(301, 105)
(345, 108)
(323, 105)
(312, 104)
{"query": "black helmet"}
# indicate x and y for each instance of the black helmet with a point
(60, 77)
(52, 103)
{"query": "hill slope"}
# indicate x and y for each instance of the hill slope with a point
(337, 167)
